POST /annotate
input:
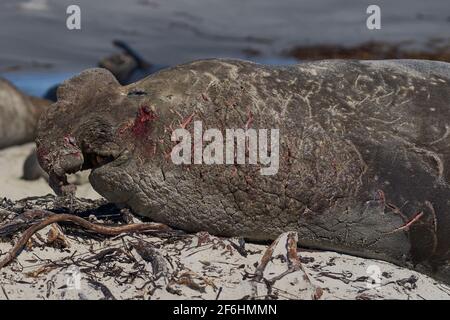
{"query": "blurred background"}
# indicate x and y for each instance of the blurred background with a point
(34, 37)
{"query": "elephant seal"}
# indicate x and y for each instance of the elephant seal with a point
(363, 152)
(19, 115)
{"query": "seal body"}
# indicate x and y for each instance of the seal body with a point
(363, 152)
(18, 115)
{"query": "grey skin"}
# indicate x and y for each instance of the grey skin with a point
(364, 149)
(32, 169)
(19, 115)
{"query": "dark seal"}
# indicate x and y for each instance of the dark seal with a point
(363, 152)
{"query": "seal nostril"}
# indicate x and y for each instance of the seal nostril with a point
(69, 141)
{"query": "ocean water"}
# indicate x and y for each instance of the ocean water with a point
(166, 32)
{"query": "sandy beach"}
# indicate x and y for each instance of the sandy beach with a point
(63, 261)
(198, 266)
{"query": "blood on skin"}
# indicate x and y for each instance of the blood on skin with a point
(140, 126)
(43, 156)
(69, 140)
(70, 144)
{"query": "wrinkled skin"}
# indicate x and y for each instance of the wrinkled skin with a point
(363, 150)
(19, 115)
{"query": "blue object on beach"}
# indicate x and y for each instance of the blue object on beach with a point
(36, 83)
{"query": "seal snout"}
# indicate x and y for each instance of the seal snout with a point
(58, 161)
(76, 132)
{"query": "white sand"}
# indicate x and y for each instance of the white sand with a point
(14, 188)
(186, 270)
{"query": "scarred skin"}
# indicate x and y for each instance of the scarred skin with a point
(363, 151)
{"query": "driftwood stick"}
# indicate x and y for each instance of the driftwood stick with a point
(94, 227)
(293, 260)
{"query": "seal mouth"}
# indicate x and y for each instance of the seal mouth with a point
(100, 155)
(93, 160)
(88, 160)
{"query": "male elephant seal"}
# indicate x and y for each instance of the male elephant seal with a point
(363, 152)
(18, 115)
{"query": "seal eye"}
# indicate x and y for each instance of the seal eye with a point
(137, 93)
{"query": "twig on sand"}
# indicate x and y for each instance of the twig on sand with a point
(294, 264)
(104, 289)
(5, 294)
(94, 227)
(158, 262)
(267, 256)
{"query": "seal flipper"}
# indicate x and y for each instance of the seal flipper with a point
(410, 183)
